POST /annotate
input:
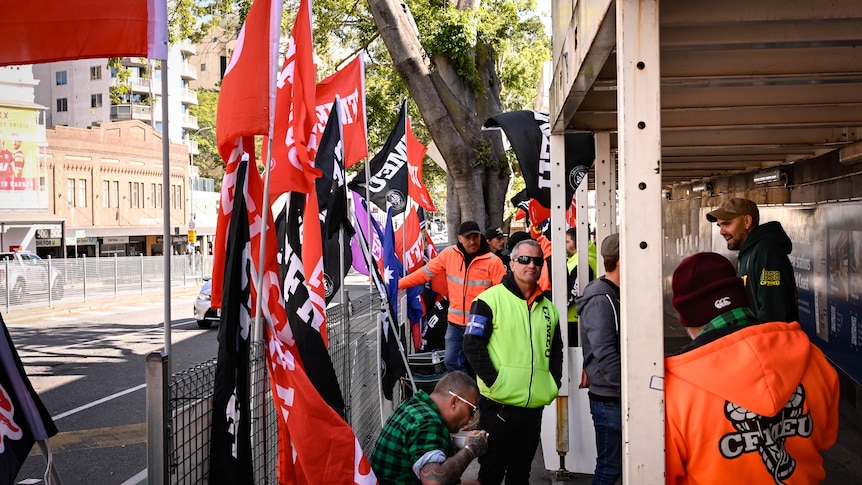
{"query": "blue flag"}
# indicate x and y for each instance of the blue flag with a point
(392, 267)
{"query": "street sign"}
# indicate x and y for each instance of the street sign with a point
(193, 235)
(191, 225)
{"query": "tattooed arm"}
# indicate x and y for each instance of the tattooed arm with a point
(449, 471)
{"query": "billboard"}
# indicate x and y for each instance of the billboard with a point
(20, 139)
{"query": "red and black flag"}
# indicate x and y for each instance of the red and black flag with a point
(230, 446)
(529, 134)
(336, 229)
(298, 304)
(388, 182)
(23, 418)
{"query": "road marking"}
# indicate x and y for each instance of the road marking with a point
(140, 477)
(61, 319)
(96, 403)
(94, 439)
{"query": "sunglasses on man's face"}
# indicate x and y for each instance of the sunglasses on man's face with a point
(525, 260)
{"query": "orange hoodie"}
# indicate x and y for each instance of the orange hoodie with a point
(755, 406)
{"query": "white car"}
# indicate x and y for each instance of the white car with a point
(204, 314)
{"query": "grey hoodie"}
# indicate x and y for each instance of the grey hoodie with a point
(599, 318)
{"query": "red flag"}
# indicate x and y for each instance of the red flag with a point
(293, 144)
(411, 255)
(415, 155)
(349, 84)
(57, 30)
(312, 260)
(538, 213)
(247, 90)
(572, 213)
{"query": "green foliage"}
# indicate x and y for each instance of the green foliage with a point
(207, 160)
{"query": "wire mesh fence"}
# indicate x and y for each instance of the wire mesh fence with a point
(36, 283)
(353, 340)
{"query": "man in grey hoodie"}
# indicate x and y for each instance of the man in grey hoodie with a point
(599, 319)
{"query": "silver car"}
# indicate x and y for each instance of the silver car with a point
(204, 314)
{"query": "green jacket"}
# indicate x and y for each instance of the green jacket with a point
(768, 275)
(515, 346)
(574, 291)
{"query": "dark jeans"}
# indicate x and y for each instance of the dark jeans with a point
(607, 419)
(454, 352)
(512, 443)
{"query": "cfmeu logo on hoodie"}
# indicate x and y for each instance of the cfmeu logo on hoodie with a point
(766, 435)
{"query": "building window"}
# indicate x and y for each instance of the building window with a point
(106, 193)
(61, 78)
(95, 73)
(203, 66)
(82, 193)
(176, 197)
(157, 196)
(115, 193)
(135, 194)
(96, 100)
(62, 105)
(70, 192)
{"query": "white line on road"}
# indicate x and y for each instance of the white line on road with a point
(140, 477)
(96, 403)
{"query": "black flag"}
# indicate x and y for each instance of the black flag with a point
(332, 200)
(230, 447)
(297, 302)
(23, 418)
(388, 182)
(529, 134)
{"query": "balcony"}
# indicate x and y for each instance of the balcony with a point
(189, 122)
(193, 147)
(120, 112)
(188, 96)
(187, 48)
(189, 72)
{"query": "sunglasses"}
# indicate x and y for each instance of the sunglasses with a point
(473, 407)
(539, 261)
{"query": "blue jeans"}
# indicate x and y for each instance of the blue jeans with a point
(607, 419)
(454, 353)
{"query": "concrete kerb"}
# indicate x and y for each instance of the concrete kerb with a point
(67, 308)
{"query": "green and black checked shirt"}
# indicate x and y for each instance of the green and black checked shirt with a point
(414, 428)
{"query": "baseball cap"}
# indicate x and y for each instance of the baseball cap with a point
(705, 285)
(494, 233)
(611, 246)
(469, 227)
(733, 208)
(515, 238)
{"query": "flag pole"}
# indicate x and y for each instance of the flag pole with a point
(167, 243)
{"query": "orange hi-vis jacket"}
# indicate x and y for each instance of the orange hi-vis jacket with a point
(755, 406)
(465, 283)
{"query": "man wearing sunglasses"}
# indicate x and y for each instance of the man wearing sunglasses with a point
(513, 342)
(415, 445)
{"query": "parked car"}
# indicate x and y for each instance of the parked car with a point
(23, 273)
(204, 314)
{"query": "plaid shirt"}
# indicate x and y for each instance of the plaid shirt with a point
(737, 316)
(414, 428)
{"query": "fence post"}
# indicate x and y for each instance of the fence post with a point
(50, 286)
(158, 388)
(8, 285)
(84, 264)
(142, 273)
(116, 276)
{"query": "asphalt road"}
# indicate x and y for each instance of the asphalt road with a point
(87, 362)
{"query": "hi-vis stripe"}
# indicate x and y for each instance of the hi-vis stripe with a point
(460, 281)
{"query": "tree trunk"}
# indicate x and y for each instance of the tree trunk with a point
(453, 115)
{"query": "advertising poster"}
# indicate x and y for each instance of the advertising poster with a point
(827, 250)
(19, 155)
